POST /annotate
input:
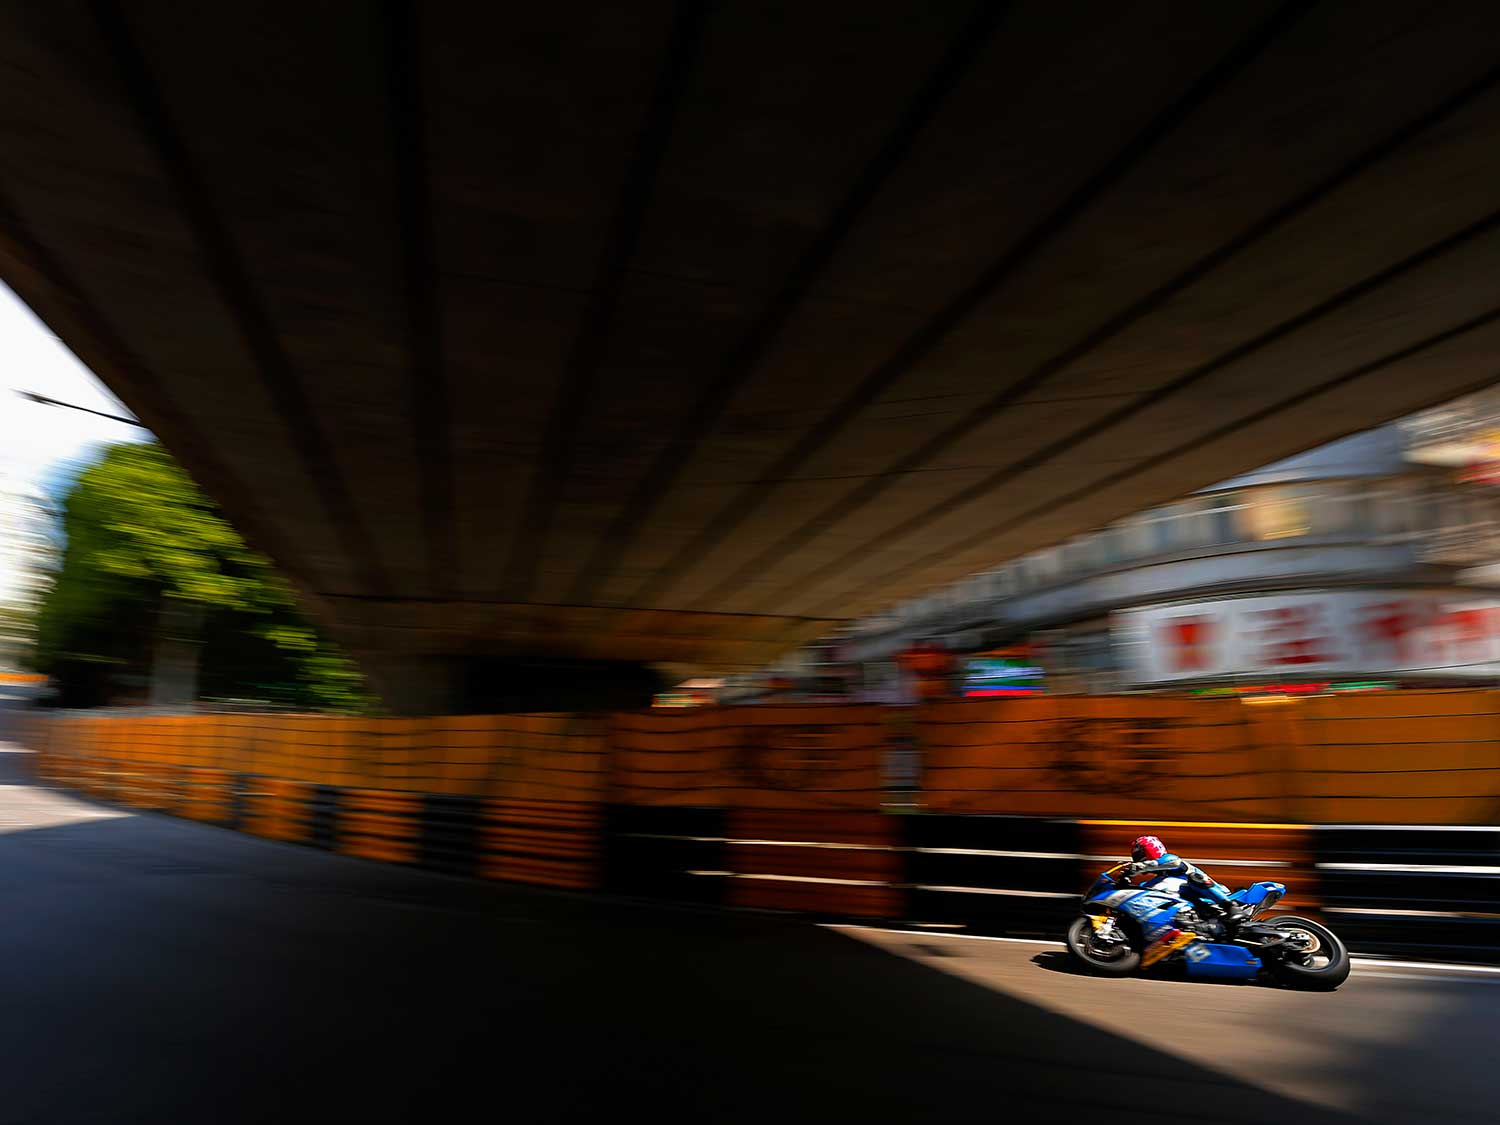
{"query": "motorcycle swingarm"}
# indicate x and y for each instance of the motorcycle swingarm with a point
(1261, 938)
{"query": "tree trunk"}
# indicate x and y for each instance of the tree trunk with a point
(179, 644)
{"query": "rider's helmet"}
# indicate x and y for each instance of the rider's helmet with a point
(1147, 848)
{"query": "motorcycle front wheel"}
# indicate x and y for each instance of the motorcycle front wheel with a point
(1315, 959)
(1110, 959)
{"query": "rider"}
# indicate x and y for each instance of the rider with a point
(1149, 856)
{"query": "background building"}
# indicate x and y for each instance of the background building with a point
(1367, 562)
(27, 553)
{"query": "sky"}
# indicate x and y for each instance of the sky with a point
(38, 442)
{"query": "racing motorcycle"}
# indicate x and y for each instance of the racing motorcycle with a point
(1114, 935)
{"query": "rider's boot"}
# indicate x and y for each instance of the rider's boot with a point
(1236, 914)
(1231, 913)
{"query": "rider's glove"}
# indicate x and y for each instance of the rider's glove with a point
(1129, 870)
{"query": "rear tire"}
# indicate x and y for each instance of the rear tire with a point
(1327, 967)
(1080, 944)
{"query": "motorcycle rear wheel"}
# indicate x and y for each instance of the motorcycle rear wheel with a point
(1120, 961)
(1327, 966)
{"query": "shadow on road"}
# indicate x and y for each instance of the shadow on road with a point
(160, 970)
(1060, 961)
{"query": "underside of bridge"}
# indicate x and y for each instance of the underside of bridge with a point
(586, 337)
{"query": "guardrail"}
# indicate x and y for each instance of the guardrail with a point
(1412, 890)
(1419, 889)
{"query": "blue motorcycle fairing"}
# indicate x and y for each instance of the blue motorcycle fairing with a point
(1155, 911)
(1212, 960)
(1152, 910)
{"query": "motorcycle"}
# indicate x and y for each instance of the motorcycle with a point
(1115, 934)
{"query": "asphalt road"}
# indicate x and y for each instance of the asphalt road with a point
(153, 969)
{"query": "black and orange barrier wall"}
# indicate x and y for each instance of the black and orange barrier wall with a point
(516, 797)
(1410, 890)
(1017, 803)
(773, 808)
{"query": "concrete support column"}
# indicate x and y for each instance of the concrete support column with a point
(177, 655)
(414, 685)
(439, 685)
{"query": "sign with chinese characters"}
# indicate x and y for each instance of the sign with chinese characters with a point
(1416, 632)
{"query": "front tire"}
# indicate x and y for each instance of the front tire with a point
(1323, 967)
(1116, 959)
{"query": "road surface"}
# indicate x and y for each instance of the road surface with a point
(153, 969)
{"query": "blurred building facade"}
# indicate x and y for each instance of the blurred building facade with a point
(1367, 562)
(27, 554)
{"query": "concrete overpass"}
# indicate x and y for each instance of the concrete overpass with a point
(621, 334)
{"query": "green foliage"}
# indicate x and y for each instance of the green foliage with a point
(144, 520)
(17, 634)
(138, 531)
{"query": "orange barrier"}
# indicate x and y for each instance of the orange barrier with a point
(536, 782)
(279, 810)
(150, 785)
(1131, 756)
(548, 758)
(536, 757)
(550, 843)
(380, 824)
(207, 795)
(1409, 757)
(754, 757)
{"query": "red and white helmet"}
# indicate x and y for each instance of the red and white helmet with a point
(1146, 848)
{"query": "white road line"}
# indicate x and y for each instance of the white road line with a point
(1376, 962)
(994, 853)
(795, 879)
(1206, 863)
(1439, 967)
(1414, 827)
(1435, 868)
(1450, 979)
(1386, 912)
(765, 843)
(813, 844)
(1011, 855)
(923, 934)
(994, 891)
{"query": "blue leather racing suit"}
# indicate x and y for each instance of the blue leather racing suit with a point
(1197, 884)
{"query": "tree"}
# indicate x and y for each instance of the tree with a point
(154, 585)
